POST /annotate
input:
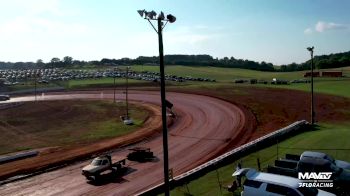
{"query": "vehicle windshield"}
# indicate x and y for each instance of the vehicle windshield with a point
(308, 190)
(330, 158)
(96, 162)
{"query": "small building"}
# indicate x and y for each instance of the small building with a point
(332, 74)
(315, 74)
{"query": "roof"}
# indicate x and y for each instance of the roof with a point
(276, 179)
(252, 174)
(114, 158)
(320, 155)
(140, 149)
(314, 154)
(313, 161)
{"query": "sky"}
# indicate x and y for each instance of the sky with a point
(276, 31)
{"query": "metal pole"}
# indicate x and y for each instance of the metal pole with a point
(126, 91)
(35, 84)
(312, 89)
(162, 93)
(114, 85)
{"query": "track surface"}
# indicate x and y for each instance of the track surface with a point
(204, 128)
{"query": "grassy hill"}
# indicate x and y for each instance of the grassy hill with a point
(227, 74)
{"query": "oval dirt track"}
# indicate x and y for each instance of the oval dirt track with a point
(205, 127)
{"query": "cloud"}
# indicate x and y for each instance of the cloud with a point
(39, 17)
(34, 7)
(325, 26)
(191, 35)
(29, 25)
(321, 27)
(308, 31)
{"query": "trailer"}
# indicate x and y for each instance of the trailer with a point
(140, 154)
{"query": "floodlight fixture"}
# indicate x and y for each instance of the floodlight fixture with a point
(151, 15)
(161, 16)
(141, 12)
(311, 49)
(171, 18)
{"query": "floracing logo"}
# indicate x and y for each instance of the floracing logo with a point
(313, 179)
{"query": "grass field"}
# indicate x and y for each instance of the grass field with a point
(329, 136)
(339, 87)
(30, 85)
(226, 74)
(223, 76)
(59, 123)
(100, 82)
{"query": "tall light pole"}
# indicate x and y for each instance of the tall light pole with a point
(160, 18)
(126, 93)
(311, 50)
(114, 84)
(35, 81)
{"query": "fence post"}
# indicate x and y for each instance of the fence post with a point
(218, 177)
(277, 149)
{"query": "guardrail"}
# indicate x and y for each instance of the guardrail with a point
(4, 106)
(231, 156)
(38, 90)
(23, 155)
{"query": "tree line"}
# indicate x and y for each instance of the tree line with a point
(321, 62)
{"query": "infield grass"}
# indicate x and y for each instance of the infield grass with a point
(64, 123)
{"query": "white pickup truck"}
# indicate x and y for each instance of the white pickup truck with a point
(102, 165)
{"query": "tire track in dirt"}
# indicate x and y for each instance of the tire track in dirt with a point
(203, 118)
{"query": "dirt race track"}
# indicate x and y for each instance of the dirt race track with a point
(205, 127)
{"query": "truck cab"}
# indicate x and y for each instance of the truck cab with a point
(102, 164)
(324, 156)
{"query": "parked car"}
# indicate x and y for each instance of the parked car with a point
(266, 184)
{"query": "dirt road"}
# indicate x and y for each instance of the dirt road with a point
(204, 128)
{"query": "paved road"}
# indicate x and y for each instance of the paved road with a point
(204, 128)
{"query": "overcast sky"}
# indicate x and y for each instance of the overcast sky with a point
(276, 31)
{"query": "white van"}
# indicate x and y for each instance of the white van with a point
(266, 184)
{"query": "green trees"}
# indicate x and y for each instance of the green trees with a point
(320, 62)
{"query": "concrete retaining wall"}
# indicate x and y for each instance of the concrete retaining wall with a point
(19, 156)
(4, 106)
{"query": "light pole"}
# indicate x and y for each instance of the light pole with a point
(160, 18)
(126, 93)
(35, 80)
(114, 84)
(311, 50)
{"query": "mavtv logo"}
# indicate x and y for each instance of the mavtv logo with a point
(314, 175)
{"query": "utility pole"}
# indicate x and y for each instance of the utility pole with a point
(114, 85)
(35, 80)
(311, 49)
(162, 95)
(126, 93)
(160, 18)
